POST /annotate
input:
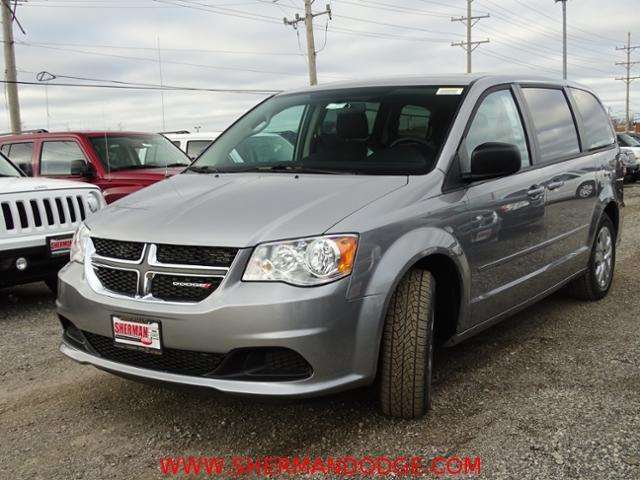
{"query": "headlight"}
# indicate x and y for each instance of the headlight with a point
(79, 243)
(95, 201)
(303, 262)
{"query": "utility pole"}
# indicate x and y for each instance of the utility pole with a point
(628, 78)
(311, 45)
(564, 37)
(10, 75)
(469, 46)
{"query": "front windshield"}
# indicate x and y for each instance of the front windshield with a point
(376, 130)
(627, 140)
(127, 152)
(7, 169)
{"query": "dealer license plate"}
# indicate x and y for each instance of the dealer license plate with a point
(137, 333)
(59, 246)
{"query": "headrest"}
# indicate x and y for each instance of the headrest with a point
(352, 125)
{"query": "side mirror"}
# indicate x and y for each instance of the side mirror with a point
(90, 170)
(83, 169)
(493, 160)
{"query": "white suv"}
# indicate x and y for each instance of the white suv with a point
(38, 217)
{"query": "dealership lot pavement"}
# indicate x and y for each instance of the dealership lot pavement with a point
(551, 393)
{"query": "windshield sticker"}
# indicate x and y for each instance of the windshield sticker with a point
(449, 91)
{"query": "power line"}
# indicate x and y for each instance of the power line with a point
(572, 25)
(516, 20)
(393, 8)
(155, 60)
(153, 49)
(394, 25)
(537, 51)
(133, 86)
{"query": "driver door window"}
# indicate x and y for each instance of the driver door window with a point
(496, 120)
(62, 158)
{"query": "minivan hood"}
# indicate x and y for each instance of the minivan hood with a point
(238, 210)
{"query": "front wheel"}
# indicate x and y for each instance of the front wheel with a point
(594, 284)
(407, 347)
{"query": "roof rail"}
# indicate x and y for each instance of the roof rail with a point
(177, 132)
(37, 130)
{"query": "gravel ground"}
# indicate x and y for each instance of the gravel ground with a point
(551, 393)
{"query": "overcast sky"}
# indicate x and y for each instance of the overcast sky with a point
(243, 44)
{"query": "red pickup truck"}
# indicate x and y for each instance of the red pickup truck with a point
(119, 163)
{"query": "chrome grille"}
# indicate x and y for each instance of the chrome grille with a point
(132, 270)
(46, 211)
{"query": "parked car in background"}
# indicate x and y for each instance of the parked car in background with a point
(38, 218)
(335, 235)
(629, 144)
(118, 162)
(631, 165)
(193, 144)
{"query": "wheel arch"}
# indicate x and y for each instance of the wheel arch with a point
(613, 211)
(431, 249)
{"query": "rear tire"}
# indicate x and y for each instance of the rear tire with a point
(407, 347)
(594, 284)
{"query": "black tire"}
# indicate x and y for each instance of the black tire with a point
(407, 347)
(586, 286)
(52, 283)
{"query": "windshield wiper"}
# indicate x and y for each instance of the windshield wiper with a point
(202, 169)
(286, 168)
(177, 164)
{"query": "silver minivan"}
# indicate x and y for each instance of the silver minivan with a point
(334, 235)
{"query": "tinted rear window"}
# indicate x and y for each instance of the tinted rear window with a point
(597, 127)
(553, 122)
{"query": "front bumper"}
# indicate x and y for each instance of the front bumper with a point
(40, 265)
(339, 338)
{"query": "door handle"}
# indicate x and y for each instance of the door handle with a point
(555, 184)
(535, 191)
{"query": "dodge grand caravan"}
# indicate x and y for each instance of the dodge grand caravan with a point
(333, 236)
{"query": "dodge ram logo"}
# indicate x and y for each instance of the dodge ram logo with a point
(206, 286)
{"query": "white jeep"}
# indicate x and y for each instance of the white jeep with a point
(38, 217)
